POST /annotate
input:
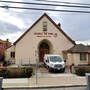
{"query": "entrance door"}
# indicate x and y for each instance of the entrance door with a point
(43, 49)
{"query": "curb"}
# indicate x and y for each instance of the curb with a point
(42, 87)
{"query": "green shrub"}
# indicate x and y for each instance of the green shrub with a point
(4, 73)
(88, 70)
(27, 71)
(16, 72)
(82, 70)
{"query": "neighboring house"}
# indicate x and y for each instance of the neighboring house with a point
(10, 54)
(3, 46)
(43, 37)
(79, 55)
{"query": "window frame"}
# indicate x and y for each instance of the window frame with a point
(44, 23)
(12, 54)
(83, 56)
(44, 26)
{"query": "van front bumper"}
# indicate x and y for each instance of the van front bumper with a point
(57, 69)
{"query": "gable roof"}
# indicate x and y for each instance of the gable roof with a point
(79, 48)
(73, 42)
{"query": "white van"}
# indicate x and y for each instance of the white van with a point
(54, 62)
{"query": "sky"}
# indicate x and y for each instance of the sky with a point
(14, 22)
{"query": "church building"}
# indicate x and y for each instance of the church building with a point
(43, 37)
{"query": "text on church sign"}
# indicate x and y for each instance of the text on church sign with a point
(45, 34)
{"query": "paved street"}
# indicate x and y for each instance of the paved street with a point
(63, 88)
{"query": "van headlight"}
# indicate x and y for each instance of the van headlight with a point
(63, 65)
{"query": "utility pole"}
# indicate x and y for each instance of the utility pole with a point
(36, 57)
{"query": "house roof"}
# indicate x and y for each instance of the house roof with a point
(51, 22)
(79, 48)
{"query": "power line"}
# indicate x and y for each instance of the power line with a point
(43, 9)
(63, 2)
(54, 14)
(41, 13)
(47, 4)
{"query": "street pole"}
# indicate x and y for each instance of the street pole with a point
(36, 73)
(36, 57)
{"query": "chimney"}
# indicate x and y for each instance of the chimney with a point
(59, 25)
(7, 40)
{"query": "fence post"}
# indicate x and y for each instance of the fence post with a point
(29, 60)
(21, 62)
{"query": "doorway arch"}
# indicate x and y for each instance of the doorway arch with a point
(44, 48)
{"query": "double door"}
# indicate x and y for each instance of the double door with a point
(42, 52)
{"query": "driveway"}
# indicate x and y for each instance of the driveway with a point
(44, 72)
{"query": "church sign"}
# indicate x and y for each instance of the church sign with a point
(45, 34)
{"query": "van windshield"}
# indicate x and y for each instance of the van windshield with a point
(55, 59)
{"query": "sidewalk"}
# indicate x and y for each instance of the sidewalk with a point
(49, 81)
